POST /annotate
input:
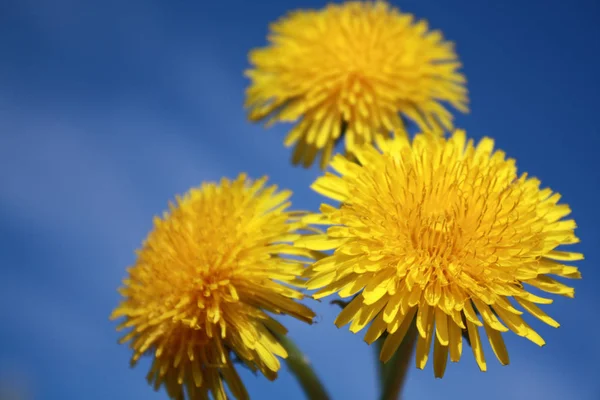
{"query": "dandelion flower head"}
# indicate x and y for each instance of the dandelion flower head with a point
(353, 69)
(444, 234)
(199, 295)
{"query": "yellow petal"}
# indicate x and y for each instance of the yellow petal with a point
(503, 302)
(377, 287)
(320, 280)
(537, 312)
(488, 316)
(440, 358)
(345, 167)
(376, 329)
(497, 344)
(355, 286)
(433, 293)
(336, 286)
(267, 357)
(455, 341)
(520, 327)
(476, 345)
(564, 256)
(424, 343)
(348, 312)
(415, 296)
(196, 373)
(366, 314)
(422, 318)
(470, 313)
(331, 186)
(392, 307)
(393, 340)
(550, 285)
(533, 298)
(441, 326)
(320, 242)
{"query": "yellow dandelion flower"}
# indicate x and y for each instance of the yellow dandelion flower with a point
(443, 233)
(204, 281)
(352, 69)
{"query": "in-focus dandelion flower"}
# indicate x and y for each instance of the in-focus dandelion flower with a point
(445, 234)
(353, 69)
(204, 283)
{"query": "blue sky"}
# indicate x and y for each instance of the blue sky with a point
(108, 109)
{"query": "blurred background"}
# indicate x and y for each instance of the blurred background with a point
(110, 108)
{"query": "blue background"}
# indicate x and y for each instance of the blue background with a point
(108, 109)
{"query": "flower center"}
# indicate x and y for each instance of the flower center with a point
(435, 236)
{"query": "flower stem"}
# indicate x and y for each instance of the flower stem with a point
(300, 367)
(393, 373)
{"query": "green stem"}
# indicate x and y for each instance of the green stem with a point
(393, 373)
(300, 366)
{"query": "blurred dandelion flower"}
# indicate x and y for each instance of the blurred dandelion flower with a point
(440, 232)
(198, 295)
(352, 69)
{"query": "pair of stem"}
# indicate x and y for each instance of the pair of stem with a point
(392, 374)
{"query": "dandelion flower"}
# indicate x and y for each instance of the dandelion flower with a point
(207, 276)
(353, 68)
(443, 233)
